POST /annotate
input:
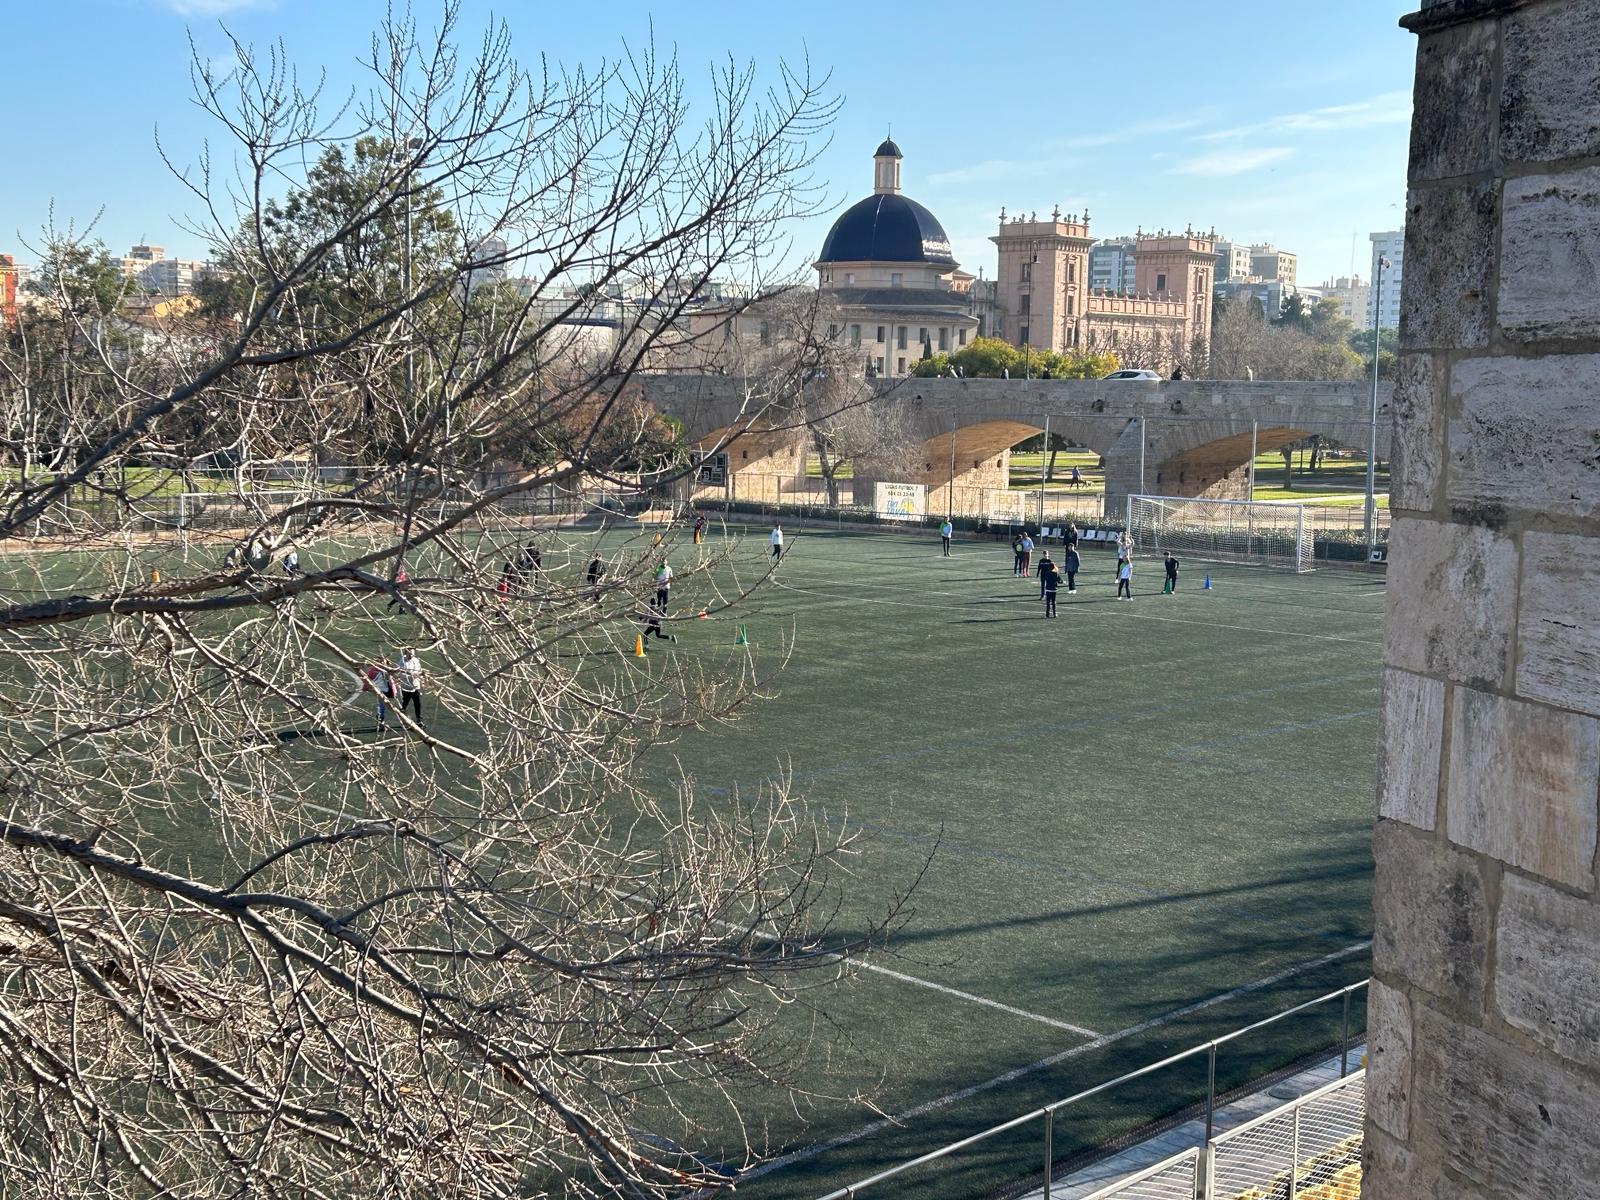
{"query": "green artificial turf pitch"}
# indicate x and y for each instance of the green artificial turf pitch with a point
(1132, 808)
(1148, 824)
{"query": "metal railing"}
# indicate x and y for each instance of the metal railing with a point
(1175, 1178)
(1046, 1119)
(1310, 1149)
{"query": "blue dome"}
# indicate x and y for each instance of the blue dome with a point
(887, 228)
(888, 148)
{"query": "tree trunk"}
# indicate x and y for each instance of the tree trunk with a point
(1288, 468)
(1050, 465)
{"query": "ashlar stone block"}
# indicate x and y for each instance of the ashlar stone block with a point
(1523, 783)
(1558, 622)
(1526, 435)
(1431, 915)
(1552, 74)
(1454, 101)
(1458, 586)
(1451, 235)
(1513, 1123)
(1410, 744)
(1547, 968)
(1389, 1059)
(1550, 256)
(1419, 418)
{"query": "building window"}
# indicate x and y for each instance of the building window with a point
(922, 335)
(900, 337)
(1072, 304)
(833, 332)
(878, 363)
(900, 366)
(1072, 270)
(849, 278)
(880, 333)
(1022, 335)
(1161, 283)
(1027, 272)
(1025, 306)
(944, 340)
(766, 333)
(894, 279)
(855, 335)
(961, 338)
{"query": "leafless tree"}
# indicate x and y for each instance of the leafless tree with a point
(253, 941)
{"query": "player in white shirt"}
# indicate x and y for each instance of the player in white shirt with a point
(777, 541)
(407, 676)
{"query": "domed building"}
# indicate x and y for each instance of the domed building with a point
(886, 265)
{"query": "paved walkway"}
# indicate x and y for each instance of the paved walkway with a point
(1193, 1133)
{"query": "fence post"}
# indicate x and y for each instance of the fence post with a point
(1049, 1149)
(1294, 1154)
(1208, 1170)
(1211, 1088)
(1344, 1037)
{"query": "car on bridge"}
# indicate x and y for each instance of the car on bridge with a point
(1132, 374)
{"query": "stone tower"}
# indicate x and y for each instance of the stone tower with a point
(1179, 267)
(1042, 279)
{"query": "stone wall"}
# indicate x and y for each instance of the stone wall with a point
(1485, 1019)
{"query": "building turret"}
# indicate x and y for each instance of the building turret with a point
(886, 169)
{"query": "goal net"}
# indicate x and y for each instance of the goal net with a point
(1248, 531)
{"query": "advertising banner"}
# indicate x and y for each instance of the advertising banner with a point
(900, 501)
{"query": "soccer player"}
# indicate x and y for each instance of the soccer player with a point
(378, 681)
(945, 530)
(408, 680)
(1016, 554)
(1172, 572)
(699, 527)
(1027, 553)
(1072, 562)
(400, 578)
(597, 572)
(1049, 581)
(291, 563)
(663, 585)
(653, 613)
(776, 538)
(1070, 537)
(1125, 580)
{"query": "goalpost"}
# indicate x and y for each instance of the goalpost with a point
(1247, 531)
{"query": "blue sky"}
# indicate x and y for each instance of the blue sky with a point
(1280, 121)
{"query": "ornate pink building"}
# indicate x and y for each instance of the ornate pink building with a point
(1044, 299)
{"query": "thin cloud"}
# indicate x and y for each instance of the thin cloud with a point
(1230, 162)
(1002, 168)
(1386, 108)
(212, 8)
(1131, 132)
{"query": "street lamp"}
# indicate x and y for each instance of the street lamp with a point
(1372, 428)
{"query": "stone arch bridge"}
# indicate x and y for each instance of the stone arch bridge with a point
(1174, 438)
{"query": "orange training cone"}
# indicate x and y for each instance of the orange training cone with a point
(638, 645)
(703, 614)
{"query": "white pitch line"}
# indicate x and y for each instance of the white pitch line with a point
(968, 996)
(900, 1119)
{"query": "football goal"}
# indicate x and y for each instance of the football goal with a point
(1247, 531)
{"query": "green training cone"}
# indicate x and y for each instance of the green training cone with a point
(741, 640)
(1166, 588)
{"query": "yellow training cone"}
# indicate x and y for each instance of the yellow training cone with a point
(638, 645)
(155, 575)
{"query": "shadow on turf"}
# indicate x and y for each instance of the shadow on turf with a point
(1148, 986)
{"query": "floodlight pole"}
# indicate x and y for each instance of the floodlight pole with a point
(1372, 427)
(950, 491)
(1043, 459)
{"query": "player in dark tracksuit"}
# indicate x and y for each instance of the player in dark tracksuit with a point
(1072, 562)
(1172, 572)
(1049, 581)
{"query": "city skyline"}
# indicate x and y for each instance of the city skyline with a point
(1303, 147)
